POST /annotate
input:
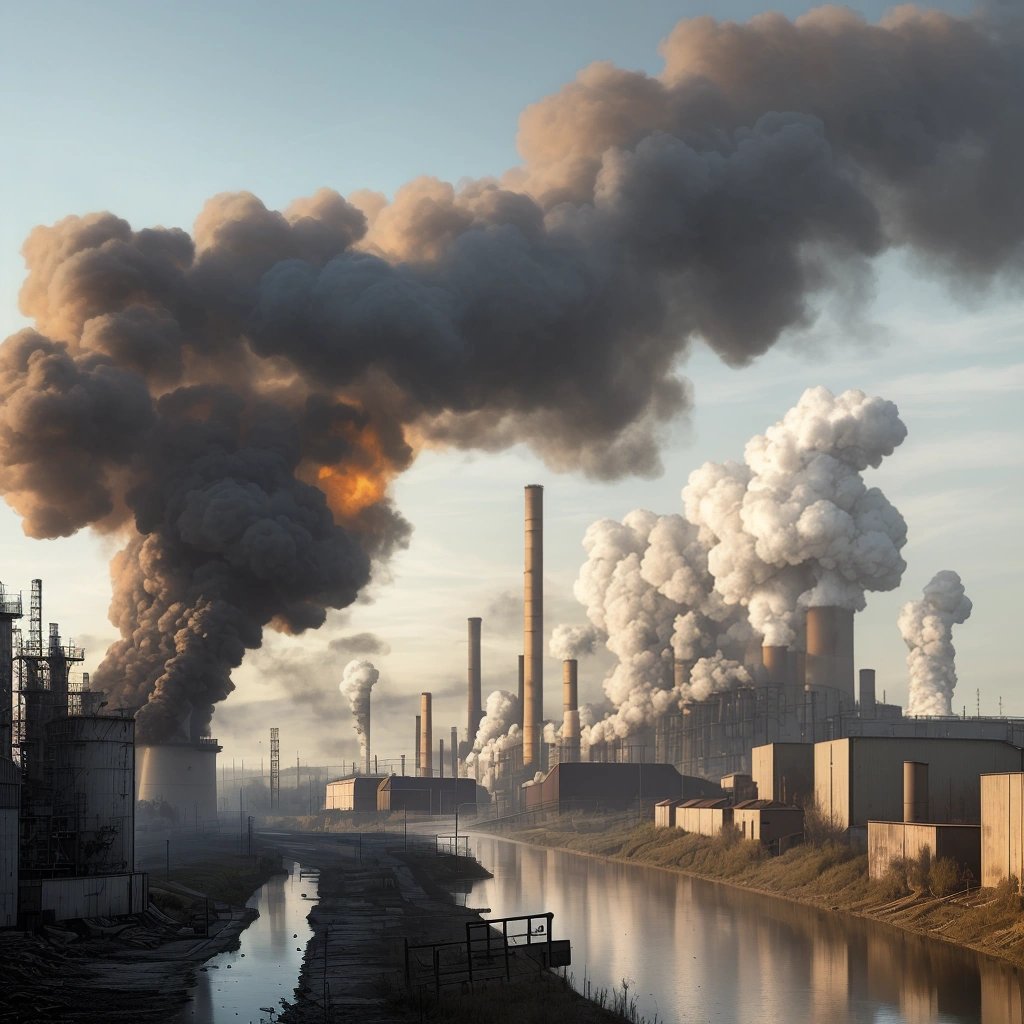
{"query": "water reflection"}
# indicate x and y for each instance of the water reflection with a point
(696, 950)
(265, 967)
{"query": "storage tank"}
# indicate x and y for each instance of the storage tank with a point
(93, 761)
(182, 775)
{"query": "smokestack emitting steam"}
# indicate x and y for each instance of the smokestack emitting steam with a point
(426, 736)
(570, 711)
(237, 400)
(830, 650)
(533, 626)
(926, 626)
(357, 679)
(793, 526)
(475, 709)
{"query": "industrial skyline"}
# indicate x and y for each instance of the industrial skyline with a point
(950, 366)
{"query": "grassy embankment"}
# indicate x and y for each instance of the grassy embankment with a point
(916, 896)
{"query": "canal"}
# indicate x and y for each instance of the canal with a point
(239, 986)
(693, 950)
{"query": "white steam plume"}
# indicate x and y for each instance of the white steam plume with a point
(496, 734)
(926, 626)
(795, 525)
(573, 641)
(357, 679)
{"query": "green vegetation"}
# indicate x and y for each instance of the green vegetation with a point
(230, 878)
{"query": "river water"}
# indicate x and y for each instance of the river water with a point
(698, 951)
(236, 986)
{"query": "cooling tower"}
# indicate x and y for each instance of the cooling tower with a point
(426, 736)
(570, 712)
(776, 664)
(183, 775)
(867, 693)
(830, 651)
(474, 710)
(533, 628)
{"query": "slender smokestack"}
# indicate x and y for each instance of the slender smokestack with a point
(475, 702)
(570, 711)
(867, 693)
(915, 791)
(455, 752)
(776, 664)
(416, 751)
(522, 680)
(830, 650)
(426, 737)
(533, 627)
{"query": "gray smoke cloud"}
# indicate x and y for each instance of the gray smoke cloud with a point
(357, 679)
(236, 400)
(926, 626)
(359, 643)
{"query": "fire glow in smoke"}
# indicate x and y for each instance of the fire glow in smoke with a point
(234, 402)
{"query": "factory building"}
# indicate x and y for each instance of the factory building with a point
(767, 821)
(66, 784)
(917, 834)
(784, 772)
(424, 795)
(599, 786)
(704, 816)
(665, 813)
(1002, 827)
(860, 778)
(355, 793)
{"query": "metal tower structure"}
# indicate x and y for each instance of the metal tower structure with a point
(10, 609)
(275, 767)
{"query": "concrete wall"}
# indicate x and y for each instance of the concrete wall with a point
(766, 824)
(1002, 827)
(784, 772)
(893, 840)
(861, 778)
(63, 899)
(10, 803)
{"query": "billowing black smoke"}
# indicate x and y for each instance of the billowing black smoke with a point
(237, 400)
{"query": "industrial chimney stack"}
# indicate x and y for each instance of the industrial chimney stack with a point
(830, 651)
(570, 711)
(533, 628)
(426, 737)
(475, 711)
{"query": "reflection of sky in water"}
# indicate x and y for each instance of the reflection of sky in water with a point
(270, 966)
(693, 950)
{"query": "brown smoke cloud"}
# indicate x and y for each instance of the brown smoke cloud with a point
(237, 400)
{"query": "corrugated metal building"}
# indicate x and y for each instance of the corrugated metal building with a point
(665, 813)
(784, 771)
(356, 793)
(1002, 827)
(767, 820)
(10, 804)
(64, 899)
(860, 778)
(895, 840)
(704, 816)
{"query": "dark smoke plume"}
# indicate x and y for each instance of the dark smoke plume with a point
(236, 400)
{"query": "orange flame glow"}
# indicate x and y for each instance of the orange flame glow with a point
(359, 482)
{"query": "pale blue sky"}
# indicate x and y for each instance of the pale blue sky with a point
(147, 109)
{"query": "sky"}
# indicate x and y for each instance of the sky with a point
(148, 109)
